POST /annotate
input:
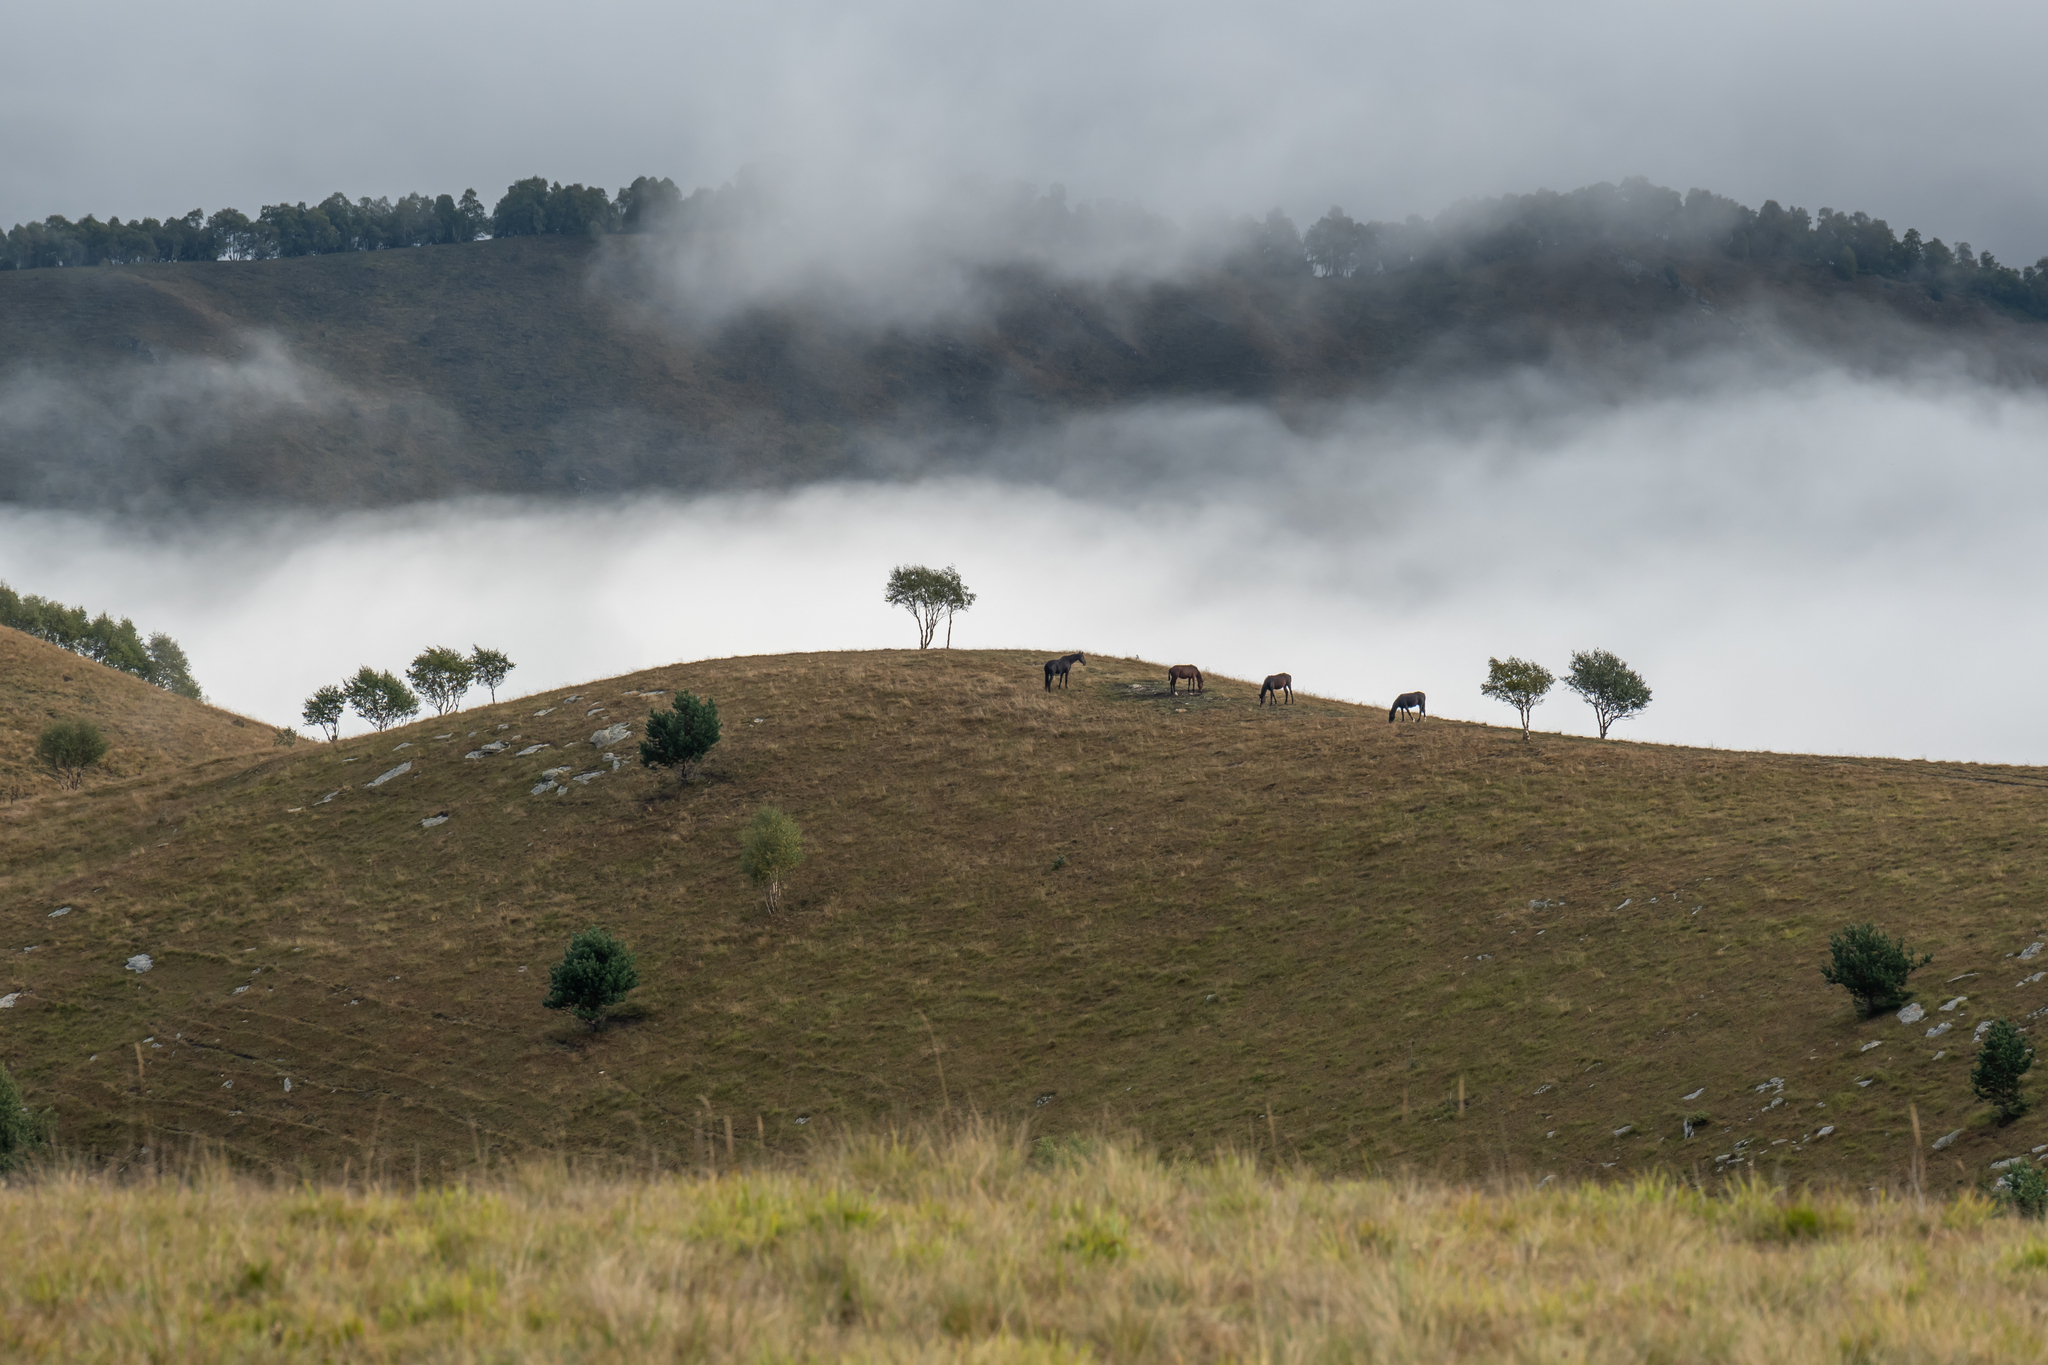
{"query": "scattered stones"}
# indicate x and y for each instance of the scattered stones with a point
(1913, 1013)
(1625, 1130)
(1983, 1028)
(140, 963)
(505, 726)
(2042, 1148)
(238, 990)
(1626, 904)
(449, 735)
(1875, 1042)
(2008, 1162)
(1695, 1094)
(594, 711)
(552, 773)
(1775, 1084)
(2032, 979)
(543, 788)
(2032, 950)
(1942, 1142)
(329, 797)
(1959, 976)
(587, 778)
(60, 910)
(545, 710)
(1825, 1131)
(400, 771)
(433, 820)
(531, 749)
(406, 745)
(1866, 1082)
(7, 1001)
(287, 1085)
(1941, 1054)
(611, 734)
(1939, 1029)
(1957, 1001)
(1539, 1089)
(566, 700)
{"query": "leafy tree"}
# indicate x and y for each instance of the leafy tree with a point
(489, 667)
(592, 976)
(69, 747)
(680, 736)
(770, 849)
(379, 698)
(1519, 683)
(523, 212)
(1613, 689)
(170, 669)
(1871, 966)
(284, 737)
(930, 596)
(324, 710)
(2004, 1058)
(22, 1129)
(442, 675)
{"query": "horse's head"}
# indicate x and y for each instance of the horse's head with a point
(1080, 658)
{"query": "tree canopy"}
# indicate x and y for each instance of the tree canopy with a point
(1519, 683)
(930, 596)
(160, 660)
(1613, 689)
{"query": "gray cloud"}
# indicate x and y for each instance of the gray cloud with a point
(1831, 565)
(1191, 108)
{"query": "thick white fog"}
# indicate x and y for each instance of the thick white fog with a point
(1830, 565)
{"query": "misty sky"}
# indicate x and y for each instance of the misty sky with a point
(1927, 116)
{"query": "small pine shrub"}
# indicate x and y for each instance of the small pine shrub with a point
(1871, 966)
(592, 977)
(2004, 1058)
(680, 736)
(2026, 1189)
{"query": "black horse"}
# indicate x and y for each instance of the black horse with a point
(1059, 668)
(1409, 701)
(1275, 685)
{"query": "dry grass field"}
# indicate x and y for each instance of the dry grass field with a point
(1301, 933)
(983, 1247)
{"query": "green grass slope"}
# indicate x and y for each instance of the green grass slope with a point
(1298, 929)
(148, 730)
(551, 365)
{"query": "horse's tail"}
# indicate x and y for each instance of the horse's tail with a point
(1198, 680)
(1422, 703)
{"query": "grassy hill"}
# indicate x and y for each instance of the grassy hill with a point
(149, 731)
(1301, 931)
(547, 365)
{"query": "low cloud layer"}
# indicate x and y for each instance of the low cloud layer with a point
(1834, 565)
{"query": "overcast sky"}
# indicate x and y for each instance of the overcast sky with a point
(1926, 116)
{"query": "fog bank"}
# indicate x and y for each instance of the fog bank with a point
(1834, 565)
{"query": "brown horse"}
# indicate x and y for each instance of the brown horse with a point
(1060, 668)
(1183, 673)
(1409, 701)
(1278, 683)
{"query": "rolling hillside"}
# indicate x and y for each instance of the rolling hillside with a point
(1301, 929)
(558, 365)
(149, 731)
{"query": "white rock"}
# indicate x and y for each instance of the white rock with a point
(530, 750)
(1912, 1014)
(287, 1085)
(1942, 1142)
(587, 778)
(433, 820)
(553, 773)
(545, 710)
(1825, 1131)
(396, 747)
(140, 963)
(329, 797)
(1878, 1042)
(2032, 950)
(7, 1001)
(543, 789)
(611, 734)
(2009, 1161)
(238, 990)
(1695, 1094)
(1983, 1028)
(1939, 1029)
(1957, 1001)
(2031, 980)
(400, 771)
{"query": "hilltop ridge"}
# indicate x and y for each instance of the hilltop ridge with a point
(1363, 943)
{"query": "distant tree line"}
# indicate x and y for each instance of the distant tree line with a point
(1635, 214)
(117, 644)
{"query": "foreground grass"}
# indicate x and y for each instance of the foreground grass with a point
(979, 1247)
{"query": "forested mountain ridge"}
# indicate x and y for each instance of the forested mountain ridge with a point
(563, 361)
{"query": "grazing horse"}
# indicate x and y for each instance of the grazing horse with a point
(1059, 668)
(1409, 701)
(1180, 673)
(1278, 683)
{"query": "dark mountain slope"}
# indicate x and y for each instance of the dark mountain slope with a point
(553, 364)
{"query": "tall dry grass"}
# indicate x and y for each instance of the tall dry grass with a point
(977, 1246)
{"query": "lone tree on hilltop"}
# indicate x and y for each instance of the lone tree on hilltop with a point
(1871, 966)
(1613, 689)
(592, 976)
(379, 698)
(68, 748)
(324, 710)
(770, 849)
(1519, 683)
(2001, 1062)
(681, 736)
(930, 596)
(442, 675)
(490, 668)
